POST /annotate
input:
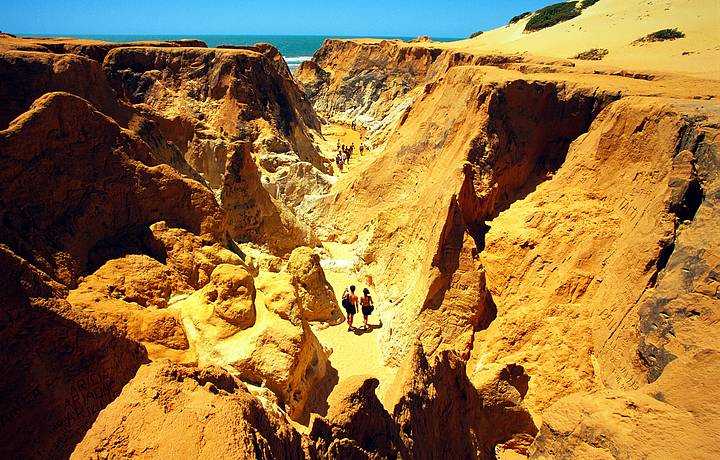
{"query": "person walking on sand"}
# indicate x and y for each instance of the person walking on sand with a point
(350, 304)
(361, 148)
(367, 306)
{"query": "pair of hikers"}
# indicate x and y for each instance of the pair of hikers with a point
(350, 303)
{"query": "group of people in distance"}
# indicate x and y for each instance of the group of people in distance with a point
(344, 152)
(343, 155)
(351, 302)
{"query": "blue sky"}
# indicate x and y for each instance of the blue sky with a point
(436, 18)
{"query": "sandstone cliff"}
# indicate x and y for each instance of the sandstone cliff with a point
(206, 100)
(96, 197)
(539, 235)
(531, 213)
(106, 228)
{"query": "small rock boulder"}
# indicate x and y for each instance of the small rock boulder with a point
(315, 293)
(192, 256)
(286, 359)
(131, 294)
(280, 296)
(231, 291)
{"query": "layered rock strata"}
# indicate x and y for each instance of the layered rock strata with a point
(108, 233)
(532, 215)
(207, 99)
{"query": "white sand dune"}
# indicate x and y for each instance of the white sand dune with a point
(614, 25)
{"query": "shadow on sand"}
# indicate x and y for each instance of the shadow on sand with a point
(370, 327)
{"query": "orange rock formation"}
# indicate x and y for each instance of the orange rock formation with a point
(539, 234)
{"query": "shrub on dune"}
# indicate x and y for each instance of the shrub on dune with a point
(660, 36)
(551, 15)
(588, 3)
(594, 54)
(520, 16)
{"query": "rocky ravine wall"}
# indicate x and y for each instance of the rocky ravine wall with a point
(194, 117)
(116, 250)
(542, 248)
(536, 220)
(374, 83)
(133, 324)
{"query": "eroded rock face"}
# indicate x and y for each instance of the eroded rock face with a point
(442, 415)
(100, 190)
(314, 292)
(677, 316)
(132, 293)
(231, 291)
(95, 179)
(173, 398)
(369, 91)
(374, 84)
(277, 350)
(505, 421)
(281, 296)
(139, 279)
(219, 105)
(296, 183)
(74, 66)
(357, 425)
(580, 236)
(61, 366)
(253, 215)
(28, 75)
(639, 424)
(234, 92)
(93, 49)
(193, 131)
(192, 256)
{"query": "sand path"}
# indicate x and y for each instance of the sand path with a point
(353, 352)
(347, 136)
(356, 352)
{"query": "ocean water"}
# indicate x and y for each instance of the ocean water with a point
(294, 48)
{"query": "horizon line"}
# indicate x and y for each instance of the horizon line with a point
(70, 35)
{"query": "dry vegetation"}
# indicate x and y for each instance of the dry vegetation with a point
(551, 15)
(595, 54)
(660, 36)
